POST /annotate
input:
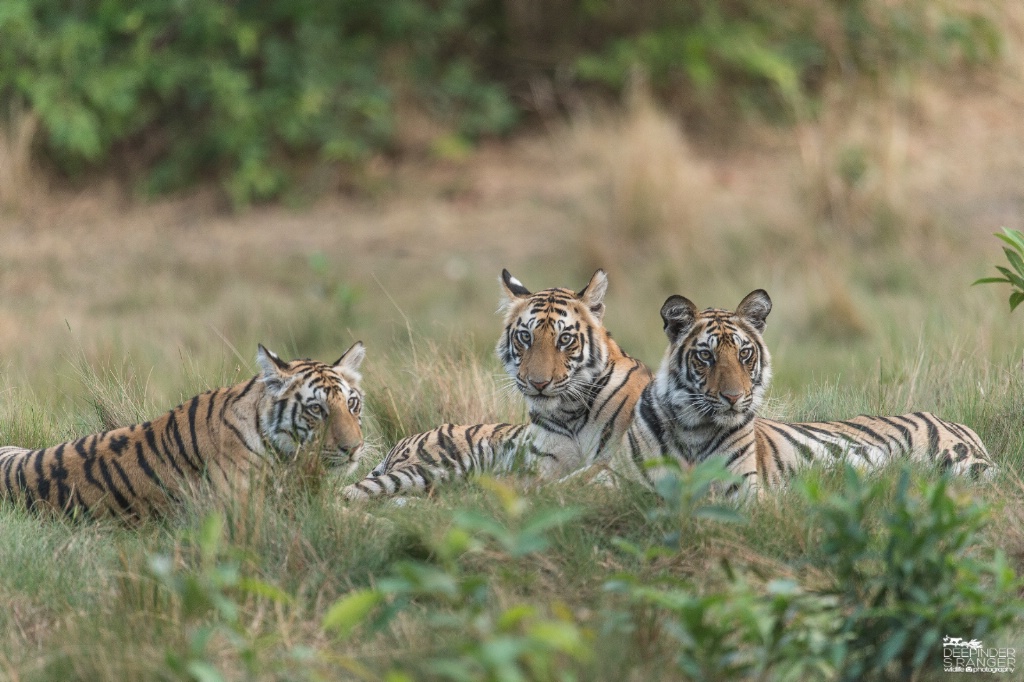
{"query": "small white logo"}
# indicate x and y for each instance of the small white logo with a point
(962, 656)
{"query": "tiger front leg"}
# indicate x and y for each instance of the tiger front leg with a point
(413, 478)
(550, 456)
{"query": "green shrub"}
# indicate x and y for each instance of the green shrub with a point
(249, 93)
(774, 57)
(477, 638)
(903, 571)
(906, 572)
(1015, 256)
(235, 90)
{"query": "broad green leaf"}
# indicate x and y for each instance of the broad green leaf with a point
(1013, 277)
(204, 672)
(350, 611)
(266, 590)
(515, 615)
(564, 637)
(210, 534)
(1015, 260)
(475, 521)
(547, 519)
(514, 504)
(720, 513)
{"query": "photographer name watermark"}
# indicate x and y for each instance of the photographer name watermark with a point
(960, 656)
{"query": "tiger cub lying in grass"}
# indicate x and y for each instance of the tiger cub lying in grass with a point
(217, 437)
(580, 388)
(705, 397)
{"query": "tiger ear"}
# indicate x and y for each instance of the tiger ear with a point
(512, 286)
(273, 368)
(678, 314)
(754, 308)
(511, 290)
(592, 295)
(352, 358)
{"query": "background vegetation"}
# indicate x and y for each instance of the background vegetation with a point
(851, 158)
(260, 94)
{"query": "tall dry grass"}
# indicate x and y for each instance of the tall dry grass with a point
(18, 182)
(656, 187)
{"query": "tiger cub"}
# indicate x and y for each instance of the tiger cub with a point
(579, 386)
(217, 437)
(704, 402)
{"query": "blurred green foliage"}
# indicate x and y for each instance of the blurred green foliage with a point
(775, 57)
(195, 88)
(250, 92)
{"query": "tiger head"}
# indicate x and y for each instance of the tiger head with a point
(716, 367)
(554, 344)
(305, 400)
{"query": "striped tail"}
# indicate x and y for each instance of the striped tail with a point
(417, 463)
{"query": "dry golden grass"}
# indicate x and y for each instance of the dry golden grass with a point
(658, 188)
(18, 184)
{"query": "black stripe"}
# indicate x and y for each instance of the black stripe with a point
(423, 454)
(22, 480)
(712, 447)
(121, 500)
(933, 433)
(802, 448)
(638, 459)
(649, 416)
(779, 464)
(9, 463)
(88, 461)
(834, 449)
(140, 457)
(192, 408)
(904, 431)
(119, 470)
(59, 474)
(241, 439)
(534, 450)
(42, 480)
(869, 432)
(737, 454)
(179, 443)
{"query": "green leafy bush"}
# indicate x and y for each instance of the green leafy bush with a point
(235, 90)
(779, 632)
(906, 573)
(251, 93)
(902, 572)
(897, 568)
(205, 596)
(479, 640)
(1015, 278)
(774, 57)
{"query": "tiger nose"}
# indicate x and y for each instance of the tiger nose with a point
(539, 385)
(731, 396)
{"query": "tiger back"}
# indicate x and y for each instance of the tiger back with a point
(579, 386)
(705, 398)
(217, 438)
